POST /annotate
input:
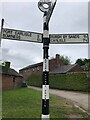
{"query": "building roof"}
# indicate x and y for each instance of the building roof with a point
(63, 69)
(9, 71)
(60, 69)
(32, 66)
(41, 63)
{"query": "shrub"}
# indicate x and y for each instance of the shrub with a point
(74, 81)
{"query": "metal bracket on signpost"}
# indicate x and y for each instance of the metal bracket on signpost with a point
(47, 7)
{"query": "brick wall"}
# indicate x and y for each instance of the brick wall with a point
(27, 72)
(9, 82)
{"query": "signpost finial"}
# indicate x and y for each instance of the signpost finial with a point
(44, 5)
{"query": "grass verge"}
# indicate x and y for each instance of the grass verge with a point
(26, 103)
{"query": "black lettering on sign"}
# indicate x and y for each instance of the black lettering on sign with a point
(85, 40)
(85, 36)
(23, 33)
(64, 36)
(38, 38)
(17, 33)
(58, 40)
(8, 36)
(59, 36)
(61, 40)
(56, 36)
(7, 31)
(27, 34)
(73, 36)
(4, 35)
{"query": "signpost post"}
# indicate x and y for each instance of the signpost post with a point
(47, 7)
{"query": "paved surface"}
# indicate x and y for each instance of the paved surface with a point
(80, 99)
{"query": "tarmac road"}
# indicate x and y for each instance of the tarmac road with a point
(80, 99)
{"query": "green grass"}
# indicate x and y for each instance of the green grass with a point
(75, 81)
(26, 103)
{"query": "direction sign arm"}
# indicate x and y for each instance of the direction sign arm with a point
(69, 38)
(20, 35)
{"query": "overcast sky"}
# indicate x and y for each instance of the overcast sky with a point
(68, 17)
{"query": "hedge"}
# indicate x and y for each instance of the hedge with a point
(74, 81)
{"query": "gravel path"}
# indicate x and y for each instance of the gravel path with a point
(80, 99)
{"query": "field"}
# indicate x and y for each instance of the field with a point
(26, 103)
